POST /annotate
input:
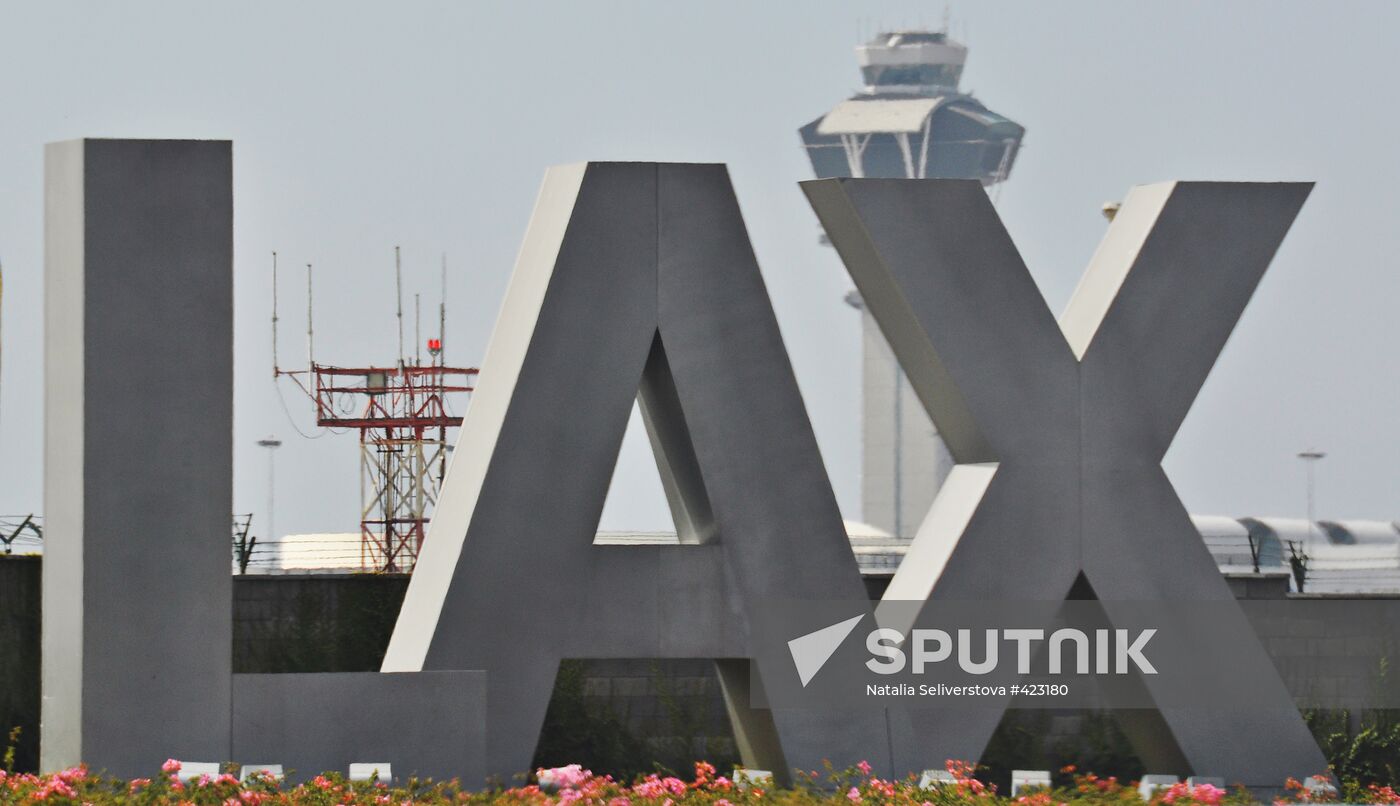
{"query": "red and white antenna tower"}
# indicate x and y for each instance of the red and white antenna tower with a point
(402, 412)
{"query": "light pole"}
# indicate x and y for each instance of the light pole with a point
(1310, 459)
(272, 444)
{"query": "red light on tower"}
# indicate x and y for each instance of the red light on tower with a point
(434, 346)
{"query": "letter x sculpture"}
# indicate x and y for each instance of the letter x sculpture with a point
(1058, 430)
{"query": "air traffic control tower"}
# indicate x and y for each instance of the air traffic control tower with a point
(909, 121)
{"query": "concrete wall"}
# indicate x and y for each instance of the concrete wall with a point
(19, 657)
(624, 716)
(669, 710)
(605, 709)
(314, 622)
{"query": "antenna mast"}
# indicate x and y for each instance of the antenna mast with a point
(274, 315)
(442, 313)
(310, 352)
(398, 285)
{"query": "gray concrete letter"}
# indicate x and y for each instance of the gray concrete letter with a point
(138, 463)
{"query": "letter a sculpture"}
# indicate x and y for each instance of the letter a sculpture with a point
(635, 282)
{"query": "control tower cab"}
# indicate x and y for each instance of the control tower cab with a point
(910, 120)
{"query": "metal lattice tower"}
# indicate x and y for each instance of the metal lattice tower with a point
(402, 416)
(402, 413)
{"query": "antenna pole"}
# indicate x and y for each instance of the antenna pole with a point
(310, 352)
(442, 314)
(417, 329)
(398, 285)
(275, 371)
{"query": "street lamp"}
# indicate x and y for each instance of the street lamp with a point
(272, 444)
(1310, 459)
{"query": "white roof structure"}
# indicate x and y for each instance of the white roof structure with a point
(325, 552)
(1352, 569)
(878, 553)
(1344, 557)
(1218, 526)
(1370, 555)
(1378, 550)
(878, 116)
(1359, 533)
(1297, 530)
(636, 538)
(1228, 542)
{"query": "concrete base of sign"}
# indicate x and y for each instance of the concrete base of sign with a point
(425, 725)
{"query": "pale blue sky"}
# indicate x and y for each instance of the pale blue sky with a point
(358, 127)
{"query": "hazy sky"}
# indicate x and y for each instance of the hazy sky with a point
(429, 125)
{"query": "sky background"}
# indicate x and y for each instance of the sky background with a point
(429, 125)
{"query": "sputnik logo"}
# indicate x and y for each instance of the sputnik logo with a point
(810, 652)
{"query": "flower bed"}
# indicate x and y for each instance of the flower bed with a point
(573, 785)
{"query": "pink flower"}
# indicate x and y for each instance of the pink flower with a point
(1208, 794)
(854, 795)
(655, 786)
(55, 786)
(559, 778)
(864, 768)
(170, 765)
